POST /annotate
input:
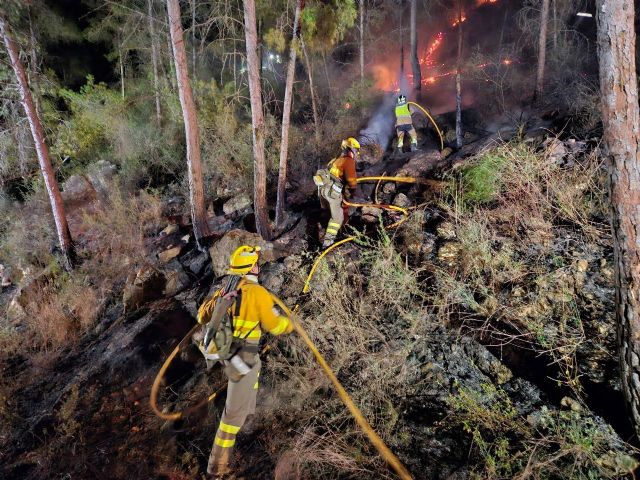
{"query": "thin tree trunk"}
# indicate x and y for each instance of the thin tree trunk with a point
(121, 72)
(621, 122)
(542, 51)
(286, 116)
(263, 226)
(362, 42)
(415, 65)
(459, 80)
(172, 65)
(196, 187)
(314, 107)
(154, 60)
(555, 25)
(326, 70)
(57, 206)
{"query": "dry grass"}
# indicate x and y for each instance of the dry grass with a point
(365, 315)
(59, 307)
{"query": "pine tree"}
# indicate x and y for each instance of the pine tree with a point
(621, 122)
(57, 205)
(196, 187)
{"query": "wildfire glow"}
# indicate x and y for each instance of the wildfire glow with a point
(485, 2)
(459, 20)
(427, 59)
(506, 61)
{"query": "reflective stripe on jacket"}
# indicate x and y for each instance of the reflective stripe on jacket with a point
(403, 115)
(344, 168)
(253, 312)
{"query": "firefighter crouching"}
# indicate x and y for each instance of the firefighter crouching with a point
(404, 124)
(339, 175)
(249, 311)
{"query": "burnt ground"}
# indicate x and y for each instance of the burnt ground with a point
(85, 414)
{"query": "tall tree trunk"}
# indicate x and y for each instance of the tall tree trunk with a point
(621, 122)
(542, 51)
(459, 80)
(193, 37)
(196, 187)
(57, 206)
(415, 65)
(362, 42)
(154, 60)
(260, 168)
(314, 107)
(286, 116)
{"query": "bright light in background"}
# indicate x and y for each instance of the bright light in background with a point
(584, 14)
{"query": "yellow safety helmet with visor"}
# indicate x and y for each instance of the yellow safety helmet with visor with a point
(351, 144)
(243, 259)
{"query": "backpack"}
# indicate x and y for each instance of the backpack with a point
(324, 177)
(218, 343)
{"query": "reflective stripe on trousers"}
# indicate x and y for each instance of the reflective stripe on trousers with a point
(334, 199)
(241, 402)
(412, 134)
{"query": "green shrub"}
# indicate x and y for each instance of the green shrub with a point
(482, 182)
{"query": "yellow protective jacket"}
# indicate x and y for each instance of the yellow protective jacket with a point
(253, 312)
(403, 115)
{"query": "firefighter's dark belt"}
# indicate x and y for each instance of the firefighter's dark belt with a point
(405, 128)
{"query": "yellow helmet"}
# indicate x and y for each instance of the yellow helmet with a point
(351, 144)
(243, 259)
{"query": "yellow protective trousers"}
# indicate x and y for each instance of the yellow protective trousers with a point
(329, 196)
(405, 129)
(241, 402)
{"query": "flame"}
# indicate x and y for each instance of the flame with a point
(347, 106)
(479, 3)
(459, 20)
(506, 61)
(427, 59)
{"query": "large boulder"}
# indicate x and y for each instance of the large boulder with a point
(176, 278)
(78, 190)
(238, 205)
(101, 175)
(97, 183)
(146, 285)
(223, 248)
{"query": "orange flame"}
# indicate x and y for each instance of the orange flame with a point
(459, 20)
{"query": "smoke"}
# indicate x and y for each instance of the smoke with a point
(380, 129)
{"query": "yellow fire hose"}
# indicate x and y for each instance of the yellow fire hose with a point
(432, 121)
(375, 439)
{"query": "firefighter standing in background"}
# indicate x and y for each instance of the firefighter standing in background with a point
(253, 312)
(404, 124)
(332, 182)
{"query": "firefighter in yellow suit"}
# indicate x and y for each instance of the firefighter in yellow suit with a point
(254, 312)
(404, 124)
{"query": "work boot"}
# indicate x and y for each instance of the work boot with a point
(221, 471)
(328, 241)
